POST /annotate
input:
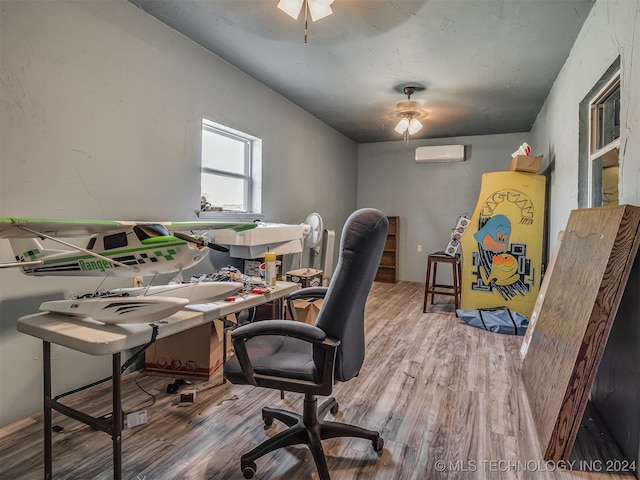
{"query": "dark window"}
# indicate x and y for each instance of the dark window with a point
(91, 244)
(117, 240)
(150, 231)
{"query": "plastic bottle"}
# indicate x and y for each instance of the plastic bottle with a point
(270, 269)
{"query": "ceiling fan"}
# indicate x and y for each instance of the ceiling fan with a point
(410, 112)
(318, 9)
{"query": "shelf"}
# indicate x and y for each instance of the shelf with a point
(388, 268)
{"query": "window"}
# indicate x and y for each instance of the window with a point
(604, 143)
(151, 230)
(231, 171)
(116, 240)
(605, 116)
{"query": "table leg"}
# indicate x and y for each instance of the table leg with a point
(224, 347)
(116, 434)
(48, 453)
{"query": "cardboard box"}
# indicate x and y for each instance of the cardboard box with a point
(305, 277)
(306, 310)
(269, 310)
(524, 163)
(195, 353)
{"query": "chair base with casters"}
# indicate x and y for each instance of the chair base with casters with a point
(265, 342)
(309, 429)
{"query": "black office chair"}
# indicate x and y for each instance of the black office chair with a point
(297, 357)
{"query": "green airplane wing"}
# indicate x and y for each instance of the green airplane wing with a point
(208, 225)
(16, 227)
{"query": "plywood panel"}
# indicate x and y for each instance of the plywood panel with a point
(583, 295)
(541, 294)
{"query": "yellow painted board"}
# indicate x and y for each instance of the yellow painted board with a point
(502, 247)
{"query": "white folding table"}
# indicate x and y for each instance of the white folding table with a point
(95, 338)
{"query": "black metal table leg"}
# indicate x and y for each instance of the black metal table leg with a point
(116, 434)
(112, 425)
(48, 454)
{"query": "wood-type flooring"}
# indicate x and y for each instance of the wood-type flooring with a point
(447, 398)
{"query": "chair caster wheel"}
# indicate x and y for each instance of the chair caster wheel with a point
(268, 421)
(334, 409)
(378, 444)
(249, 471)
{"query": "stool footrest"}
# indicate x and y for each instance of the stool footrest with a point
(450, 289)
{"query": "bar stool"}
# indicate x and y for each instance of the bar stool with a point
(432, 287)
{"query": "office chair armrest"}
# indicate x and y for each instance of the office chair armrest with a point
(304, 294)
(308, 292)
(302, 331)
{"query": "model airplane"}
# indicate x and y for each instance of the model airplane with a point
(118, 249)
(115, 249)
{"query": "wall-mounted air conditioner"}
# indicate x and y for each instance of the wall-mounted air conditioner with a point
(440, 153)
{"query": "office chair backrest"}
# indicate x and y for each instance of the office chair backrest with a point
(342, 313)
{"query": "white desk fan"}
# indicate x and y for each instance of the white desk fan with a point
(320, 242)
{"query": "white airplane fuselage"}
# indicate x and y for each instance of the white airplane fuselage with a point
(150, 256)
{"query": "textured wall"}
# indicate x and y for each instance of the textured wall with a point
(611, 31)
(101, 111)
(428, 198)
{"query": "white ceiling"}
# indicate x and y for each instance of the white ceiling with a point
(486, 65)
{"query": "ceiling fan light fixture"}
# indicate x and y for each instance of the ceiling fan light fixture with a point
(316, 8)
(415, 126)
(402, 126)
(319, 9)
(291, 7)
(409, 111)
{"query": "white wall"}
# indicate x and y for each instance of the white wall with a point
(428, 198)
(101, 110)
(611, 30)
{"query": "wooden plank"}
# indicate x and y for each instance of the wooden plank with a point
(584, 292)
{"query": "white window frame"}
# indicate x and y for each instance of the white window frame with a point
(252, 178)
(595, 154)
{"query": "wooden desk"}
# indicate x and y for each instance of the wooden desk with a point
(95, 338)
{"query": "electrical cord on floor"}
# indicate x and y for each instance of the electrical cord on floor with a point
(151, 395)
